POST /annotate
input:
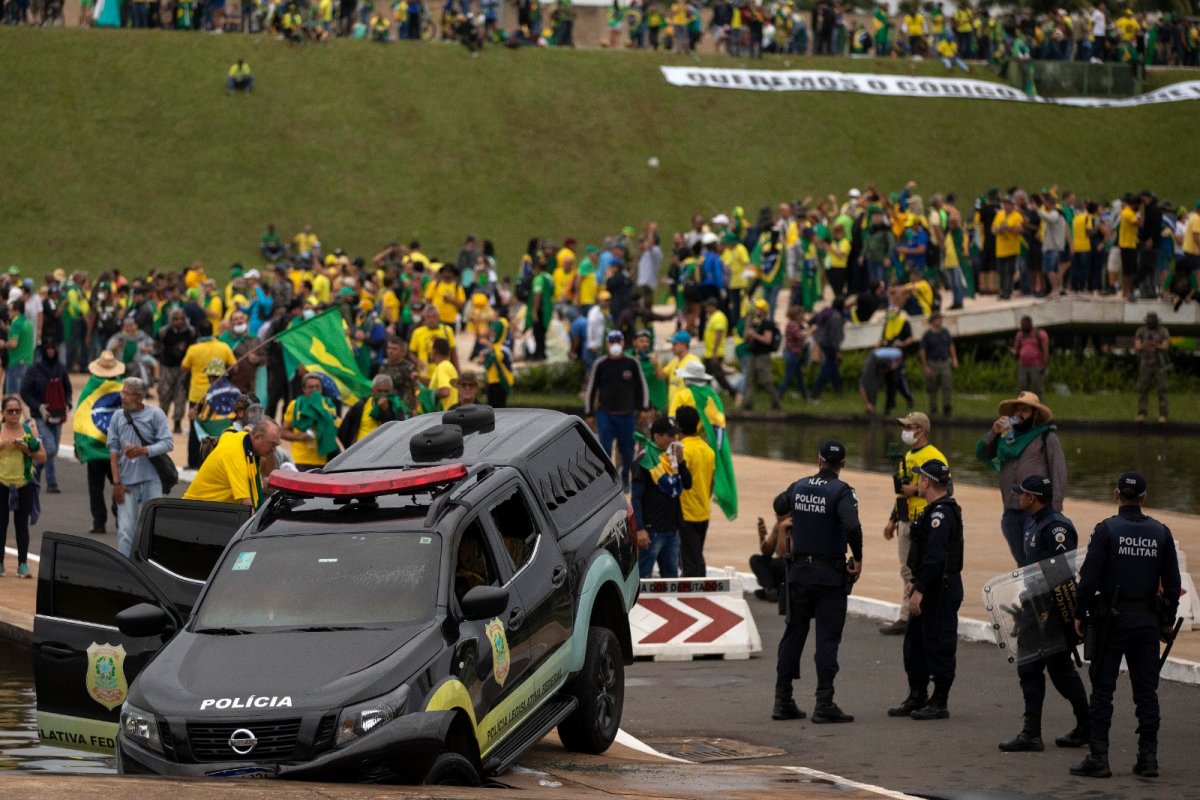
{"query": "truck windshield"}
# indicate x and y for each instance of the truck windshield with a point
(327, 581)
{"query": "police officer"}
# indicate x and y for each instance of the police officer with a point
(824, 513)
(1129, 557)
(1047, 534)
(934, 596)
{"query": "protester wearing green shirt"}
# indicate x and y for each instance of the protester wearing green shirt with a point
(539, 309)
(20, 344)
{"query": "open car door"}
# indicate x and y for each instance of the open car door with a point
(178, 542)
(83, 665)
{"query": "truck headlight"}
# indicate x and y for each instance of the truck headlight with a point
(362, 718)
(141, 727)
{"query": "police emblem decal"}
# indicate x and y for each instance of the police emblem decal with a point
(1060, 537)
(106, 674)
(501, 660)
(935, 521)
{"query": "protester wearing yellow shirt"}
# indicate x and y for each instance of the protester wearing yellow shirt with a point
(565, 252)
(696, 500)
(680, 343)
(198, 358)
(1127, 26)
(423, 336)
(443, 377)
(1127, 241)
(1007, 228)
(239, 78)
(311, 428)
(736, 261)
(305, 240)
(322, 286)
(838, 252)
(566, 282)
(446, 294)
(231, 473)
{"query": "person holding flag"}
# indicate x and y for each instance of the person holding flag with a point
(321, 345)
(643, 353)
(696, 500)
(698, 393)
(497, 364)
(310, 423)
(383, 406)
(99, 398)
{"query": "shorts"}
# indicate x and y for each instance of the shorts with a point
(1129, 262)
(1049, 261)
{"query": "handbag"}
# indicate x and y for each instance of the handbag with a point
(168, 473)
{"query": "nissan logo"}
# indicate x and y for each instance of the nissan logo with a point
(242, 741)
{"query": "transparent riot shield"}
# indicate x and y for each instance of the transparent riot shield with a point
(1033, 608)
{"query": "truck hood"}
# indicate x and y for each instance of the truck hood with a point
(251, 675)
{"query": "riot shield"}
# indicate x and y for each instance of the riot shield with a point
(1033, 608)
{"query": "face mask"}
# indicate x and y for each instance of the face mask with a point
(908, 437)
(614, 350)
(239, 329)
(309, 313)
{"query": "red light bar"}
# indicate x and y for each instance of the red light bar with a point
(365, 483)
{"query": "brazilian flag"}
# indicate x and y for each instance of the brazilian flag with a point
(712, 417)
(322, 346)
(98, 401)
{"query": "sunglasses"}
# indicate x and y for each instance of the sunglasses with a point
(12, 411)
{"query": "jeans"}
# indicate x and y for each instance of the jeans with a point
(127, 513)
(1012, 525)
(619, 427)
(20, 517)
(12, 378)
(1081, 269)
(1006, 267)
(829, 372)
(958, 285)
(240, 85)
(664, 551)
(876, 272)
(140, 13)
(793, 372)
(50, 435)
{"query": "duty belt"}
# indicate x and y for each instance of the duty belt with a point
(809, 558)
(1137, 606)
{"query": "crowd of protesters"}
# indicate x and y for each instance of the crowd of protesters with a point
(1090, 33)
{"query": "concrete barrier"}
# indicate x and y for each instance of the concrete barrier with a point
(678, 619)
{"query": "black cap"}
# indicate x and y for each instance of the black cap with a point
(1131, 484)
(1037, 485)
(663, 425)
(832, 452)
(935, 470)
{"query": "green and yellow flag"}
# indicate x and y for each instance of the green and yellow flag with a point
(98, 401)
(321, 345)
(712, 417)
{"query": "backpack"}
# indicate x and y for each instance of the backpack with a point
(525, 288)
(55, 402)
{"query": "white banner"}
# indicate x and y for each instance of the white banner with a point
(897, 86)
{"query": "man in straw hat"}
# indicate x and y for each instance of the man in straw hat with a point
(1021, 443)
(104, 370)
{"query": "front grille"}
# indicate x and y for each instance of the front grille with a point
(276, 740)
(168, 740)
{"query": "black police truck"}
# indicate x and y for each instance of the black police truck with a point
(431, 603)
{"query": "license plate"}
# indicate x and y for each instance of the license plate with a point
(243, 772)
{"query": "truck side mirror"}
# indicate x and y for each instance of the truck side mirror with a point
(484, 601)
(145, 619)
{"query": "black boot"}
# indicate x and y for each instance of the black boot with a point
(1096, 764)
(917, 697)
(827, 711)
(1078, 737)
(935, 708)
(1147, 758)
(785, 705)
(1029, 740)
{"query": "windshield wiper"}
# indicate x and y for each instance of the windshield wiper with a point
(328, 629)
(223, 631)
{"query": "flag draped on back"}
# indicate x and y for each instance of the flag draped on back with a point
(712, 417)
(98, 400)
(321, 345)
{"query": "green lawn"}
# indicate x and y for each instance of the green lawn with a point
(122, 149)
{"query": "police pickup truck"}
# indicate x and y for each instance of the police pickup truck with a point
(424, 609)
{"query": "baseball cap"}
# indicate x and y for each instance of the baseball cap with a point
(854, 193)
(1037, 485)
(681, 336)
(642, 333)
(762, 305)
(663, 425)
(1131, 484)
(935, 470)
(832, 451)
(615, 336)
(915, 418)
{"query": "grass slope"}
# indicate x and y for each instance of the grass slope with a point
(122, 149)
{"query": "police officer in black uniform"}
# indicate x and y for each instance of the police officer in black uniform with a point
(1129, 557)
(934, 596)
(824, 513)
(1047, 534)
